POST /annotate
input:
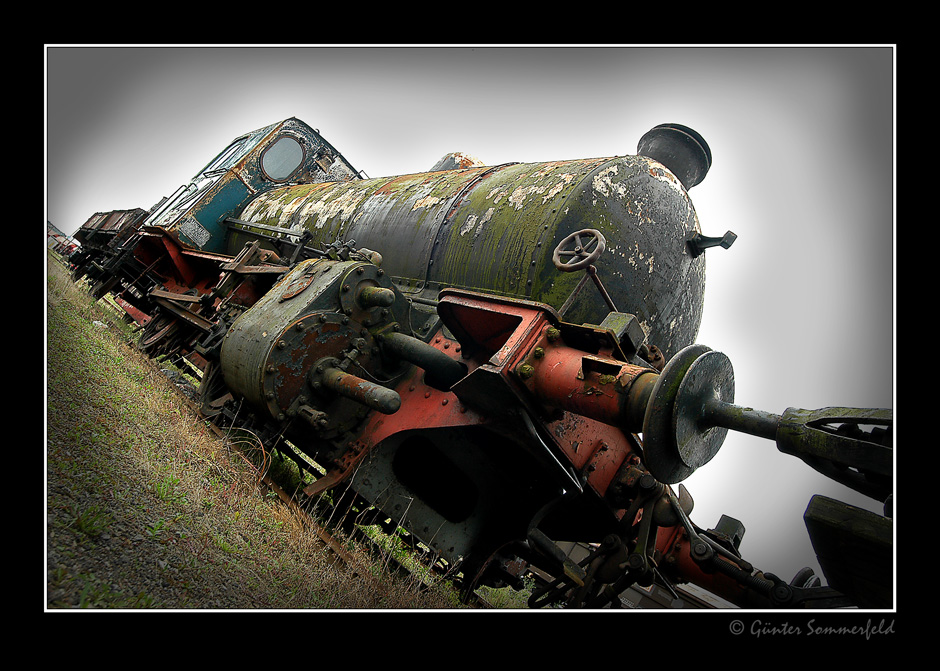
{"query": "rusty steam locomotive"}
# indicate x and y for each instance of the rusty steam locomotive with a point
(501, 359)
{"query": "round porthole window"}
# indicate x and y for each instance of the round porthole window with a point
(282, 158)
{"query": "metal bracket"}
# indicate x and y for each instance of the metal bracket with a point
(698, 243)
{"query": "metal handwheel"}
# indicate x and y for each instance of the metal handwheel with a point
(582, 248)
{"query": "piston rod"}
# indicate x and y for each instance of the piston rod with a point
(739, 418)
(375, 396)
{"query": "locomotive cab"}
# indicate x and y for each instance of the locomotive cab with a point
(282, 153)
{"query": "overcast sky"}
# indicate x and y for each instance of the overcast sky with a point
(803, 152)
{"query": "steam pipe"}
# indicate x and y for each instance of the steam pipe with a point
(442, 371)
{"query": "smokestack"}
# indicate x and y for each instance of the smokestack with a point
(680, 149)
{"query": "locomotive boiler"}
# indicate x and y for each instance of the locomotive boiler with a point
(499, 359)
(495, 228)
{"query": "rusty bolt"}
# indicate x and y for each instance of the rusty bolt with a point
(525, 371)
(345, 287)
(538, 352)
(552, 334)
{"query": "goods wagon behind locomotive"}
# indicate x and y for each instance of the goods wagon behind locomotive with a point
(476, 352)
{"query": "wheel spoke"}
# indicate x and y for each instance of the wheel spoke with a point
(579, 250)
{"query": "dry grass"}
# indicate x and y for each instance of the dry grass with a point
(147, 507)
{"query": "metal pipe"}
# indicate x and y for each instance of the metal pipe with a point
(375, 396)
(442, 371)
(375, 296)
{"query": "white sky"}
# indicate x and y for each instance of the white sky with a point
(803, 172)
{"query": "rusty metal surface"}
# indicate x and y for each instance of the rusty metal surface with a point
(395, 216)
(104, 225)
(195, 214)
(514, 420)
(306, 348)
(250, 340)
(494, 230)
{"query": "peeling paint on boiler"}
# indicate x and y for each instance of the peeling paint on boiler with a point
(603, 184)
(472, 225)
(427, 201)
(555, 190)
(344, 207)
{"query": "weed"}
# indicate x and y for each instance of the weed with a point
(96, 594)
(91, 521)
(167, 490)
(156, 529)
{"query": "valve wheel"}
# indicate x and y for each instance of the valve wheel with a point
(580, 249)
